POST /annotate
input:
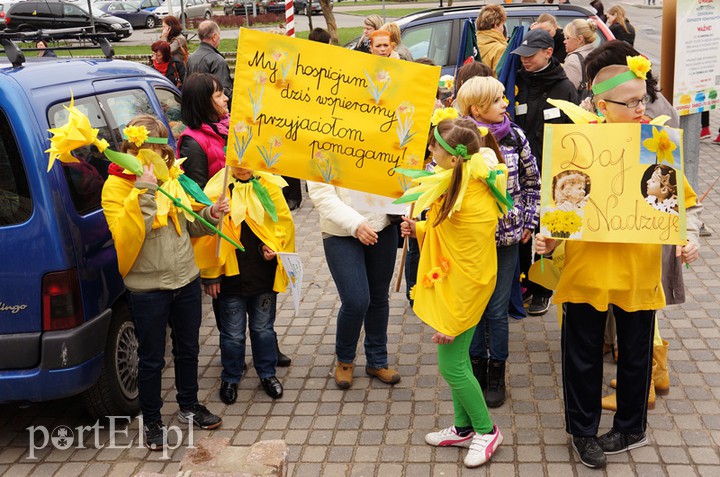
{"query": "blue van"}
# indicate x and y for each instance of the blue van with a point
(65, 328)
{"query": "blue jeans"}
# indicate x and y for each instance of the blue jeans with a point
(234, 312)
(152, 312)
(516, 309)
(493, 327)
(362, 275)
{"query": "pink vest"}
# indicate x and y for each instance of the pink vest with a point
(211, 143)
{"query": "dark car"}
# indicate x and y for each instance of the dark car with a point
(272, 6)
(435, 33)
(129, 11)
(301, 7)
(241, 7)
(42, 15)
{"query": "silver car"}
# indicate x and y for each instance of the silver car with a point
(190, 9)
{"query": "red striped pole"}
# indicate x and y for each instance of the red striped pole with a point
(289, 18)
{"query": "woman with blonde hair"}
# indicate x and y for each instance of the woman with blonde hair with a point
(490, 34)
(580, 39)
(400, 49)
(370, 24)
(481, 100)
(619, 25)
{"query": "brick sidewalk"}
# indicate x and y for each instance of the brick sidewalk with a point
(375, 430)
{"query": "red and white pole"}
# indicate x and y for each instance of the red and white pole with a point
(289, 18)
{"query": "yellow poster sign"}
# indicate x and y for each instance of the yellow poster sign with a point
(324, 113)
(613, 183)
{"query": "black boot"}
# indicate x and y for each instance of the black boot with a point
(283, 361)
(480, 370)
(495, 395)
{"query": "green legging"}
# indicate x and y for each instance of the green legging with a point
(468, 399)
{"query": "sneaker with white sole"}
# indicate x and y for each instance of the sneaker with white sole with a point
(614, 442)
(448, 437)
(483, 447)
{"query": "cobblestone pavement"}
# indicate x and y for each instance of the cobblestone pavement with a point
(376, 430)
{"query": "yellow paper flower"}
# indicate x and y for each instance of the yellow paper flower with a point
(443, 113)
(483, 131)
(77, 132)
(661, 145)
(447, 82)
(136, 134)
(639, 65)
(435, 275)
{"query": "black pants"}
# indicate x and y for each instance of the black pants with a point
(583, 328)
(293, 192)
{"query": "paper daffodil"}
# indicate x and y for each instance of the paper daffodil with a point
(661, 145)
(136, 134)
(443, 113)
(447, 82)
(639, 65)
(77, 132)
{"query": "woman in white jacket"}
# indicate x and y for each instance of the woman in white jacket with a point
(360, 249)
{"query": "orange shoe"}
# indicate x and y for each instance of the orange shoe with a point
(386, 375)
(344, 375)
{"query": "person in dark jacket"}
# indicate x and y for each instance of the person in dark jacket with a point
(207, 59)
(540, 77)
(166, 64)
(619, 25)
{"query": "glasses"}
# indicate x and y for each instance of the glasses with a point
(633, 103)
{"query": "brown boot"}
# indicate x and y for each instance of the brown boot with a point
(610, 402)
(661, 377)
(386, 375)
(344, 375)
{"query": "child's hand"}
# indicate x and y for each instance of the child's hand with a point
(221, 206)
(148, 175)
(267, 253)
(366, 235)
(544, 245)
(213, 289)
(689, 252)
(407, 227)
(526, 235)
(441, 338)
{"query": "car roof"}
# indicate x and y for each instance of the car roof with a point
(38, 73)
(512, 10)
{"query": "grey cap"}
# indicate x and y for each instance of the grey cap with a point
(534, 41)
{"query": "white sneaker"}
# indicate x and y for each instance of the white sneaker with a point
(483, 447)
(448, 437)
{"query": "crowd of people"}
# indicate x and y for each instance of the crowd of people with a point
(470, 242)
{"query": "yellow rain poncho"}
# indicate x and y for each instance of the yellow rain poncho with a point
(246, 206)
(458, 261)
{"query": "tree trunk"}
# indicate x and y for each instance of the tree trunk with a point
(330, 20)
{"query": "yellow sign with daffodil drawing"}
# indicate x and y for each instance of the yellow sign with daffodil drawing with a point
(328, 114)
(613, 183)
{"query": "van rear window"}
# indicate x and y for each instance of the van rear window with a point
(15, 201)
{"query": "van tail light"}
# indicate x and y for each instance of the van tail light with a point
(62, 307)
(7, 21)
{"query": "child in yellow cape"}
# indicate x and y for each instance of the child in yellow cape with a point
(155, 257)
(246, 284)
(458, 268)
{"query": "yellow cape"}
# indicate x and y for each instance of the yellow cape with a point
(244, 205)
(458, 262)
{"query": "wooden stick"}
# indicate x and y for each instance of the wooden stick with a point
(404, 255)
(222, 214)
(709, 189)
